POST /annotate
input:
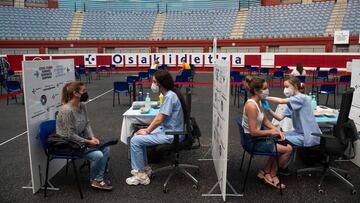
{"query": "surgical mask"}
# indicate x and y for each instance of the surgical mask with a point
(84, 97)
(154, 88)
(265, 93)
(288, 92)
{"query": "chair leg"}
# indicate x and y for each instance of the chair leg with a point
(340, 177)
(327, 99)
(77, 179)
(325, 172)
(67, 166)
(334, 101)
(234, 96)
(47, 174)
(242, 160)
(118, 94)
(317, 98)
(114, 98)
(129, 99)
(278, 167)
(247, 172)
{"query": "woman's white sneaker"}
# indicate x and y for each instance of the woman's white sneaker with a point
(138, 178)
(147, 169)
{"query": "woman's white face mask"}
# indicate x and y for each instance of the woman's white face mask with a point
(265, 93)
(154, 88)
(288, 92)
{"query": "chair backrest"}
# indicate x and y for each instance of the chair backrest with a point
(121, 86)
(346, 101)
(328, 88)
(254, 69)
(151, 71)
(102, 68)
(247, 67)
(46, 128)
(233, 74)
(186, 73)
(131, 79)
(181, 78)
(11, 73)
(264, 70)
(243, 137)
(345, 78)
(163, 66)
(278, 74)
(322, 74)
(12, 86)
(143, 75)
(92, 69)
(112, 66)
(342, 131)
(333, 71)
(284, 68)
(302, 78)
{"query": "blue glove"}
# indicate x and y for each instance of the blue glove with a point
(266, 104)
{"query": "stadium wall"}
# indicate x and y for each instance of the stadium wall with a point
(154, 45)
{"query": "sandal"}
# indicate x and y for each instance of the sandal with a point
(273, 183)
(261, 174)
(101, 185)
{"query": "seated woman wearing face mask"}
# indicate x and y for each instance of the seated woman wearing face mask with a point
(299, 110)
(72, 122)
(170, 118)
(253, 120)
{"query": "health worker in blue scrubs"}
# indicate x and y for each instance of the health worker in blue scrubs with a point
(171, 117)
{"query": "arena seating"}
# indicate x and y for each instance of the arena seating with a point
(293, 20)
(199, 24)
(37, 1)
(352, 17)
(118, 24)
(35, 23)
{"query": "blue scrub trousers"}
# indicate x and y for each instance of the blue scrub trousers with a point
(294, 138)
(139, 143)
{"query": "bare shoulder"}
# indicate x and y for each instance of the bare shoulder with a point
(250, 106)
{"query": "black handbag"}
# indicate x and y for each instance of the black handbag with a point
(60, 144)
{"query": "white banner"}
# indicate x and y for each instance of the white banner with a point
(341, 37)
(43, 82)
(90, 59)
(238, 59)
(130, 59)
(267, 59)
(220, 122)
(355, 107)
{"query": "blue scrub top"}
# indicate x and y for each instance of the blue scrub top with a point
(174, 116)
(304, 123)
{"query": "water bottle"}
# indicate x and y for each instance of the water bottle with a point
(147, 101)
(161, 98)
(140, 96)
(313, 102)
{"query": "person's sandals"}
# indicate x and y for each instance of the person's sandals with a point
(272, 182)
(261, 174)
(101, 185)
